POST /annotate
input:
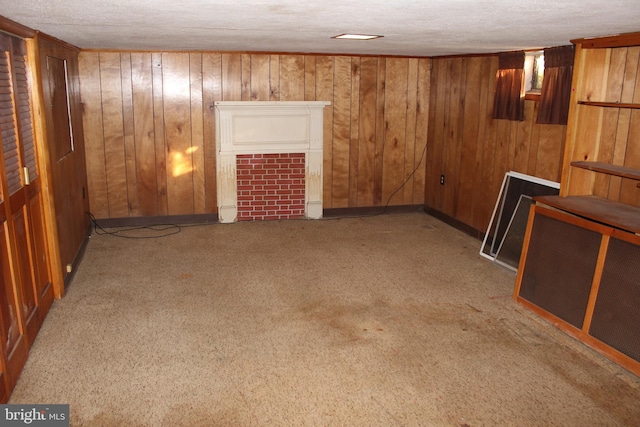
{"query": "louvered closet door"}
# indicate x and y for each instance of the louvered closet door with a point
(33, 209)
(23, 253)
(15, 344)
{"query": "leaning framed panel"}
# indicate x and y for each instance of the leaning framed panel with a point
(503, 240)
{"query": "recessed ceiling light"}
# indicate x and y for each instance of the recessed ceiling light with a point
(356, 36)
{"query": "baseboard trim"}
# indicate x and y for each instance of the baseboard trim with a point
(143, 221)
(77, 259)
(370, 210)
(455, 223)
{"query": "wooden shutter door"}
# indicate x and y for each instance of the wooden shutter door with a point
(26, 292)
(14, 343)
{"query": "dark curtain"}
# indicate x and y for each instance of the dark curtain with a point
(509, 97)
(556, 85)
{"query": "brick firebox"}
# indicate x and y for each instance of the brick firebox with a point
(270, 186)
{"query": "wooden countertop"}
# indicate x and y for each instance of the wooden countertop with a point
(614, 214)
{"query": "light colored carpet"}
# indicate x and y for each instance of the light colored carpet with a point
(392, 320)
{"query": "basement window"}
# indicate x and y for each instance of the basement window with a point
(533, 72)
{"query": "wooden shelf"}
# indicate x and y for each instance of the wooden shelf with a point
(614, 214)
(610, 104)
(622, 171)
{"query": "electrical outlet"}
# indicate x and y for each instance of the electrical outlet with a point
(441, 179)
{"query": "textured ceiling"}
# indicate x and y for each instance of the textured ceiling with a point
(414, 28)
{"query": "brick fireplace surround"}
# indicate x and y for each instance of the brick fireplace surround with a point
(270, 186)
(269, 159)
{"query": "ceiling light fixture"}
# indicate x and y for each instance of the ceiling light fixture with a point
(356, 37)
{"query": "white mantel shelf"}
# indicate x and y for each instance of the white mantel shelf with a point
(263, 127)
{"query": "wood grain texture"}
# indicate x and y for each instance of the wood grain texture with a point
(89, 64)
(473, 150)
(212, 92)
(605, 123)
(113, 125)
(129, 138)
(354, 144)
(367, 130)
(473, 71)
(292, 78)
(384, 112)
(177, 130)
(410, 131)
(422, 128)
(310, 78)
(196, 148)
(260, 75)
(395, 125)
(231, 77)
(375, 130)
(378, 180)
(159, 134)
(144, 137)
(324, 91)
(484, 149)
(341, 133)
(245, 63)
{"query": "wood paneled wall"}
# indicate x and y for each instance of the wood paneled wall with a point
(472, 150)
(150, 127)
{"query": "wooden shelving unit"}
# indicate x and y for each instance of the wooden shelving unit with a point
(597, 209)
(609, 169)
(577, 268)
(610, 104)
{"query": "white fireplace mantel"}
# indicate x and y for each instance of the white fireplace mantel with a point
(262, 127)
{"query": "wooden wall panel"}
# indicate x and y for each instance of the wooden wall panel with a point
(177, 129)
(245, 65)
(274, 78)
(152, 133)
(324, 91)
(378, 180)
(231, 77)
(94, 135)
(410, 131)
(310, 78)
(472, 150)
(292, 78)
(212, 91)
(452, 146)
(196, 148)
(395, 125)
(113, 126)
(341, 133)
(142, 89)
(484, 148)
(128, 130)
(367, 130)
(354, 143)
(422, 128)
(260, 75)
(469, 143)
(159, 135)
